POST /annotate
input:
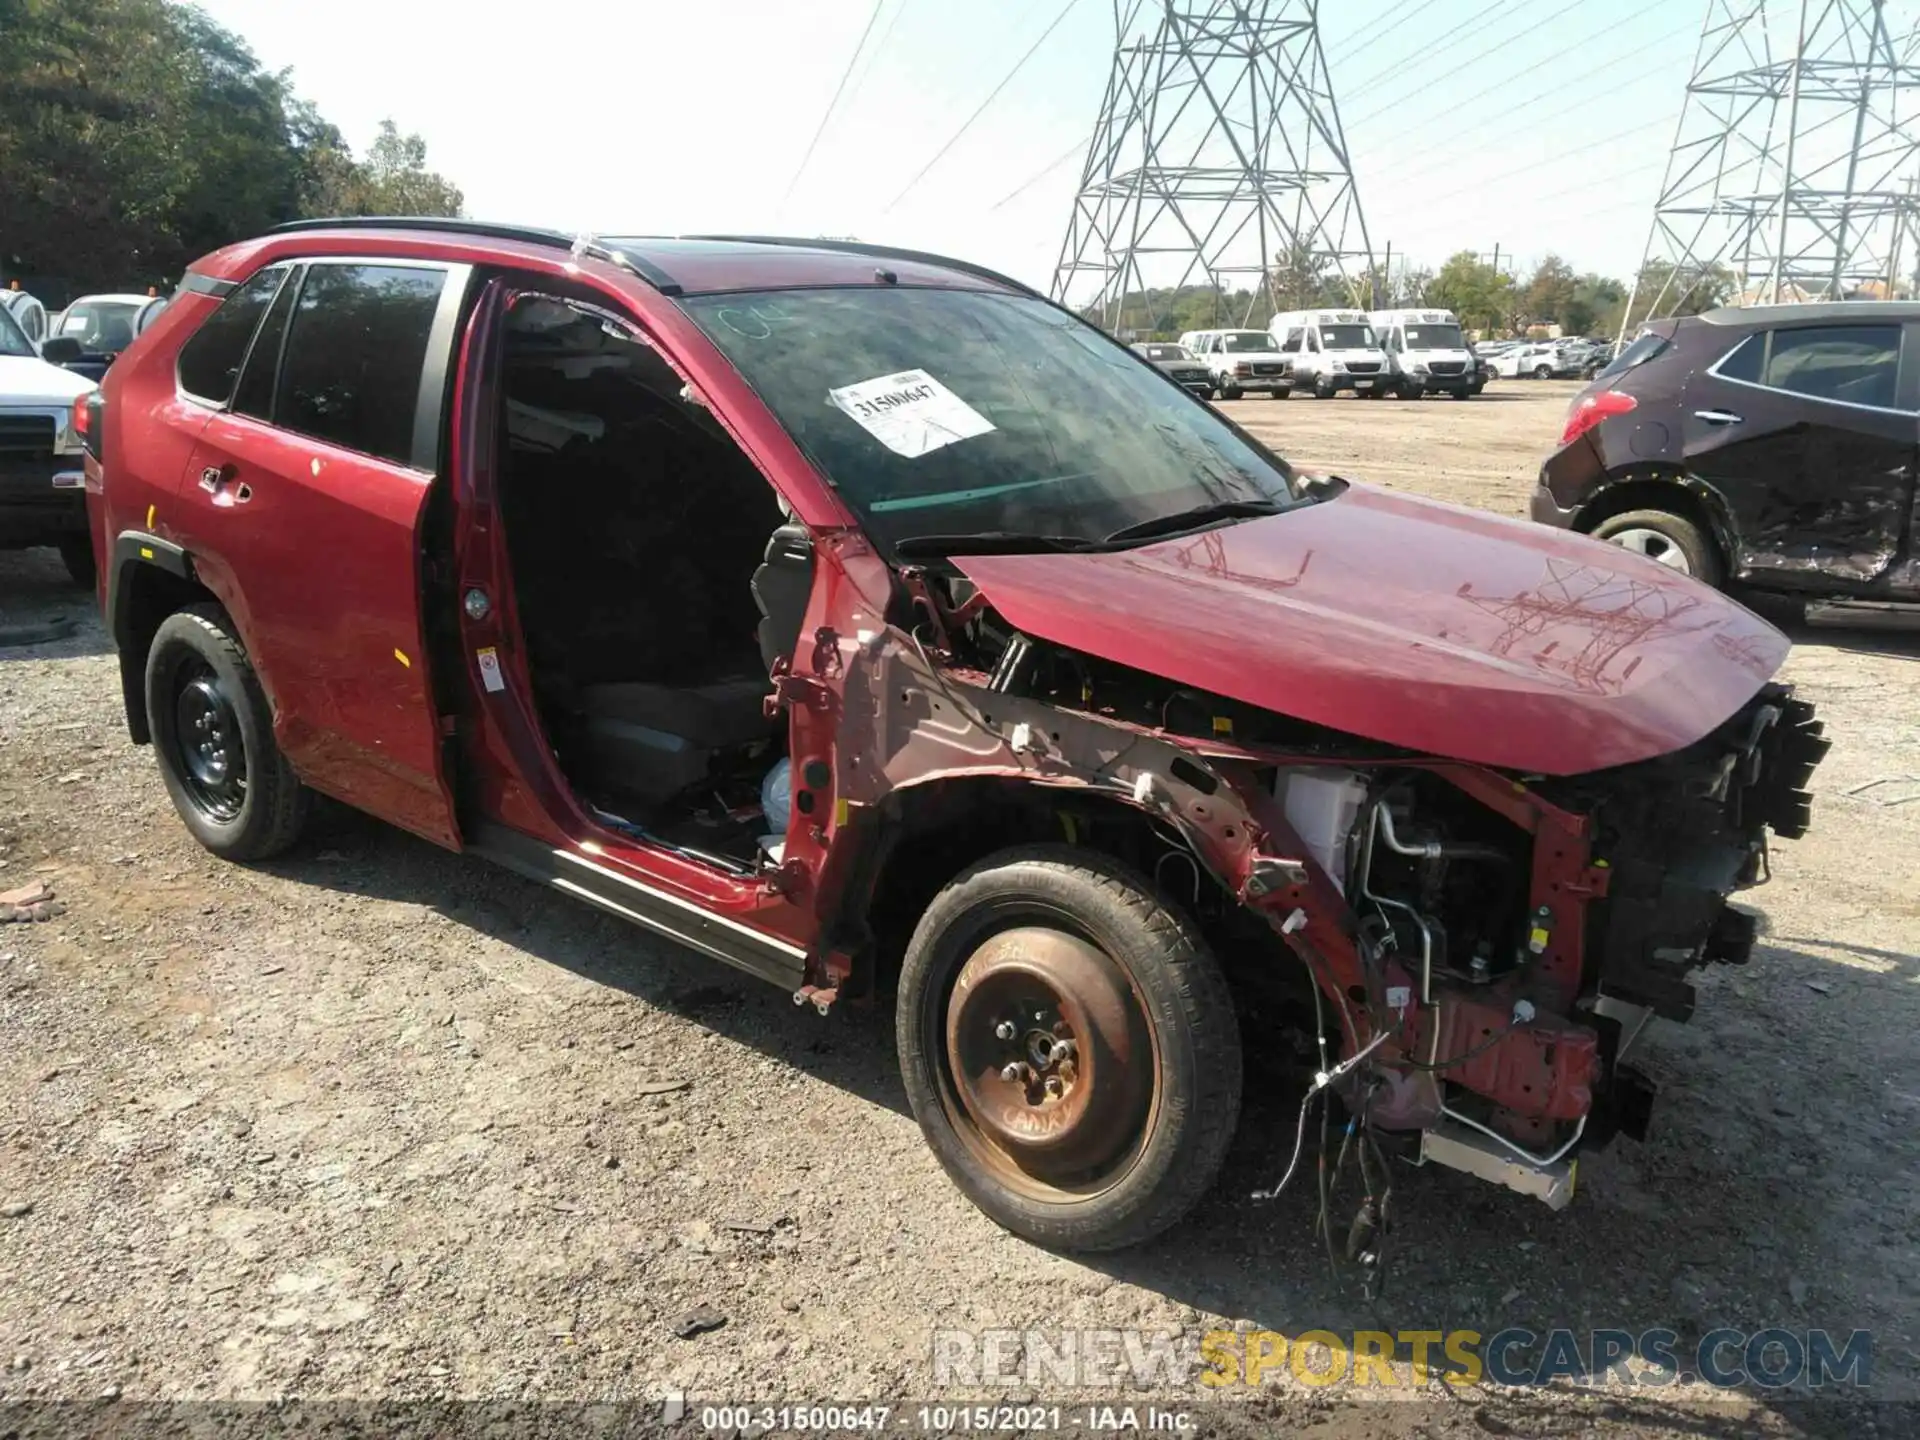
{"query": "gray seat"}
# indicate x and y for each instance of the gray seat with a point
(654, 741)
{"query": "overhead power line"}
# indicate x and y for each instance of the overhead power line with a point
(833, 104)
(992, 95)
(1039, 175)
(1430, 50)
(1354, 43)
(1519, 104)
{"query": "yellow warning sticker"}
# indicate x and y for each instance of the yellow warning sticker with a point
(401, 656)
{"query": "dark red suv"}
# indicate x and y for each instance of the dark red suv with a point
(871, 624)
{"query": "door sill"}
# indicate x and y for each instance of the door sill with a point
(691, 924)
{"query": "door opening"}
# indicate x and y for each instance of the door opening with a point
(656, 576)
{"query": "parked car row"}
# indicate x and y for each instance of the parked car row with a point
(46, 363)
(42, 487)
(1405, 353)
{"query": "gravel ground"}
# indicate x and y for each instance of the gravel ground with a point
(376, 1121)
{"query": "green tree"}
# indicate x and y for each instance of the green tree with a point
(1480, 295)
(137, 134)
(1550, 289)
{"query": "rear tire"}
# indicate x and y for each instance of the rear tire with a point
(1060, 941)
(213, 736)
(1543, 372)
(1671, 540)
(76, 553)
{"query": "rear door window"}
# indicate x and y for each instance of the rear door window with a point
(210, 361)
(356, 347)
(1857, 364)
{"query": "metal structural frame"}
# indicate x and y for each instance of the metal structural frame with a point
(1218, 154)
(1794, 163)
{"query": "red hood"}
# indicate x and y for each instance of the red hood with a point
(1447, 631)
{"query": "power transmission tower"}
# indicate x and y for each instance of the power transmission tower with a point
(1792, 166)
(1218, 159)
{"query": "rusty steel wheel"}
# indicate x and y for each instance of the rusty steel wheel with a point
(1050, 1056)
(1069, 1047)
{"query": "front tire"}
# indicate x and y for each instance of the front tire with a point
(213, 736)
(1099, 1148)
(1229, 392)
(1323, 390)
(1671, 540)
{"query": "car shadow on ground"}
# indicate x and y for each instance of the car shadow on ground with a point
(1645, 1245)
(43, 613)
(851, 1049)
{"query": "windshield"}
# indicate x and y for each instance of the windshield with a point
(1246, 340)
(1347, 337)
(13, 340)
(1434, 337)
(1165, 352)
(958, 412)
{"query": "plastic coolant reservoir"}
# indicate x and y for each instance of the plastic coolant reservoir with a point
(776, 796)
(1321, 806)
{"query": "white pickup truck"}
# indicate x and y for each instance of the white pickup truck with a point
(43, 498)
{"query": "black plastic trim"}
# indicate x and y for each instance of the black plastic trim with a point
(442, 340)
(686, 921)
(881, 252)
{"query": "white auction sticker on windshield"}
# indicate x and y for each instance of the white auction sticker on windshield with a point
(910, 413)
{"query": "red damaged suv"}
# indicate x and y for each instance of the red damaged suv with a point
(868, 622)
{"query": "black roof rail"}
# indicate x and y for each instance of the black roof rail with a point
(525, 234)
(880, 252)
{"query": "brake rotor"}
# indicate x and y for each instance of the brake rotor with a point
(1050, 1053)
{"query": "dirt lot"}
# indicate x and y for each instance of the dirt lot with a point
(377, 1121)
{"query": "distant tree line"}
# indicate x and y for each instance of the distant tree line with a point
(136, 135)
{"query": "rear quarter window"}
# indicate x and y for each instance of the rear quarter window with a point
(1645, 348)
(210, 360)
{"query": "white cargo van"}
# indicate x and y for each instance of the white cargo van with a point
(1241, 361)
(1427, 353)
(1331, 350)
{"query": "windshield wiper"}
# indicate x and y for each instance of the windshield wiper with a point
(1193, 519)
(988, 542)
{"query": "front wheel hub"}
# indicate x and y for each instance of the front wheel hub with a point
(1050, 1053)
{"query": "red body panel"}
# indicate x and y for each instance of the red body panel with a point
(320, 567)
(1412, 623)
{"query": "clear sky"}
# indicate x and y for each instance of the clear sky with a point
(1532, 125)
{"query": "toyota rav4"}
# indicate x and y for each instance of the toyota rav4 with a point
(869, 623)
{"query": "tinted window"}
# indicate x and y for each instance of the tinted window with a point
(1638, 353)
(1855, 363)
(210, 361)
(1745, 361)
(254, 394)
(357, 342)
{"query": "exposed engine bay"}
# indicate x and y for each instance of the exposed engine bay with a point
(1481, 948)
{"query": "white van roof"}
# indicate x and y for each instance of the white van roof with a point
(1414, 317)
(1319, 317)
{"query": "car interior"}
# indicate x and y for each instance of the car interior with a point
(658, 579)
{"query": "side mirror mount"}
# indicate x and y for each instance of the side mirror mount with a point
(61, 350)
